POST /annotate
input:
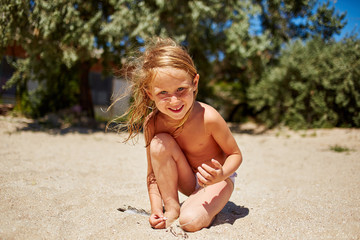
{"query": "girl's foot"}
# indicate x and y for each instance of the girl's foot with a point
(171, 217)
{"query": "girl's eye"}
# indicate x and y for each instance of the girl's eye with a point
(180, 89)
(163, 92)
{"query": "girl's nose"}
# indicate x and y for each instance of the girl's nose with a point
(174, 98)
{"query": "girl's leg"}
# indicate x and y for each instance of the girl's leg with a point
(172, 173)
(199, 210)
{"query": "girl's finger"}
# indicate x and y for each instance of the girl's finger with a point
(160, 225)
(211, 171)
(204, 173)
(155, 223)
(158, 216)
(201, 179)
(216, 164)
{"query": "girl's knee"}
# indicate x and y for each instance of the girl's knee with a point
(160, 144)
(192, 221)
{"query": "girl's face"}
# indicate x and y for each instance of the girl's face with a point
(172, 90)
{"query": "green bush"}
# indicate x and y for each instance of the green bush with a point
(316, 84)
(55, 88)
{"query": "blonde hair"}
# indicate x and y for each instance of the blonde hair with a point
(140, 71)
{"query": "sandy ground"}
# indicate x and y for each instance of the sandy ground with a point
(70, 184)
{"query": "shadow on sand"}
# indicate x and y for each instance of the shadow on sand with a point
(229, 214)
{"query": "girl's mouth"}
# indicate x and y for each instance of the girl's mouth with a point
(176, 110)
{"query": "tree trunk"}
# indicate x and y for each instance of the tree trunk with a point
(86, 102)
(233, 112)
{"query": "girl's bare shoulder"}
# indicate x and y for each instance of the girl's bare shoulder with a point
(213, 121)
(210, 113)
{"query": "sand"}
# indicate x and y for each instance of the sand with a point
(70, 183)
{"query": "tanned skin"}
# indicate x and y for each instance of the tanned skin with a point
(203, 147)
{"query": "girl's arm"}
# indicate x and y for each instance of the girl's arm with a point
(153, 190)
(156, 218)
(221, 133)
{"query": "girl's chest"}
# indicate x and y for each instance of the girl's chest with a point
(195, 141)
(191, 138)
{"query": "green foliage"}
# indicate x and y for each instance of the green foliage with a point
(249, 56)
(326, 22)
(315, 84)
(60, 38)
(339, 149)
(240, 70)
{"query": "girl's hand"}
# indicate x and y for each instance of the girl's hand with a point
(157, 220)
(208, 175)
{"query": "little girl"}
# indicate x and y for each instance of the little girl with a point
(189, 146)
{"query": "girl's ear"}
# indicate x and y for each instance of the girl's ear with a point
(196, 81)
(149, 94)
